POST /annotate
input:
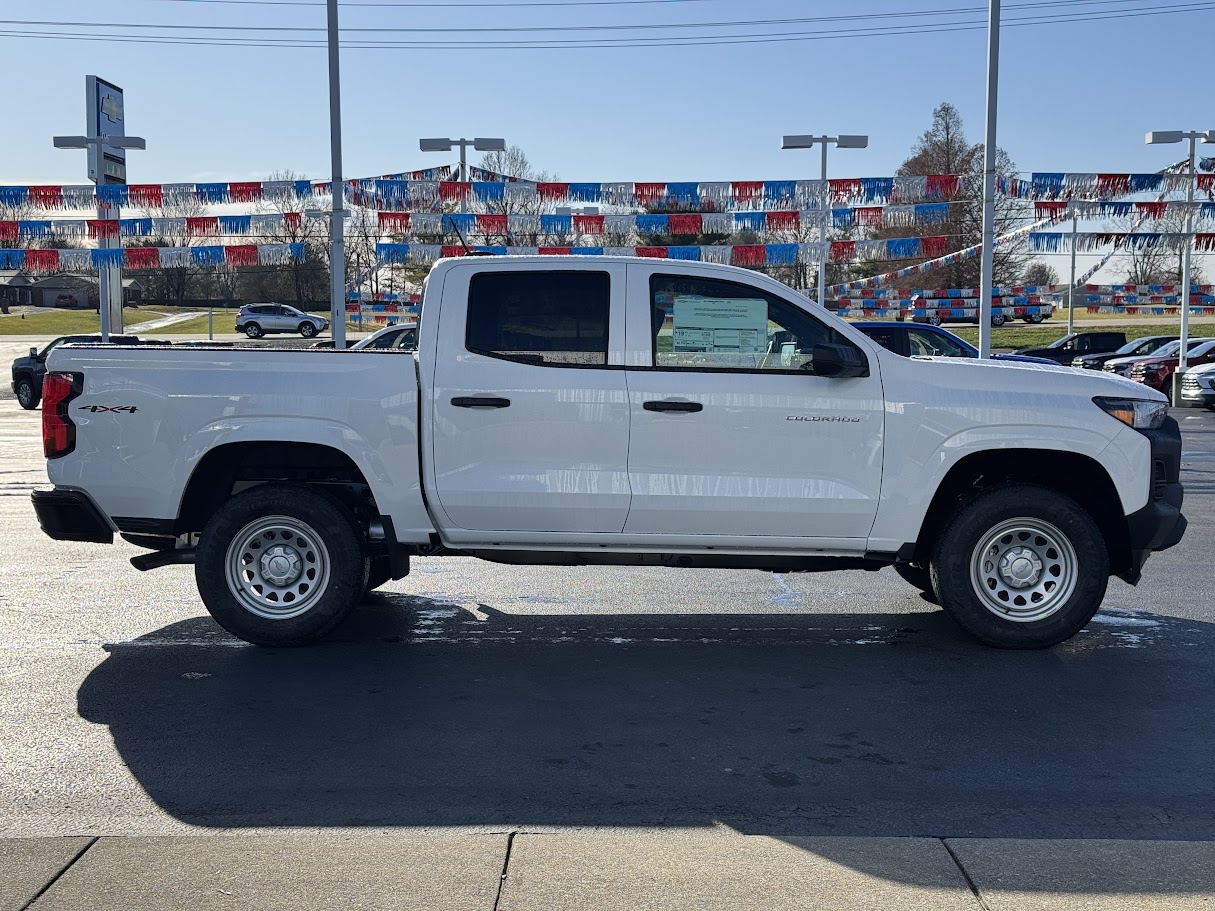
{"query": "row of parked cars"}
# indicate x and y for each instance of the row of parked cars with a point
(1150, 360)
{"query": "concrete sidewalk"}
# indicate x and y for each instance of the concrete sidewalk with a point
(675, 870)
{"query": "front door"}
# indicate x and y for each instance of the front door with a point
(530, 409)
(731, 435)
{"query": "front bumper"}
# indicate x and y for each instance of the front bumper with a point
(1160, 524)
(1198, 396)
(70, 515)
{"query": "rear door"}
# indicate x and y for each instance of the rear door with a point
(530, 410)
(731, 436)
(282, 319)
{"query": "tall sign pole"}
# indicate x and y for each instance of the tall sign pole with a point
(107, 166)
(987, 271)
(337, 243)
(106, 144)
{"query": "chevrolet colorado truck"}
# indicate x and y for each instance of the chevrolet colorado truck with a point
(612, 411)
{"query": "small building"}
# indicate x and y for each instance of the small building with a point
(15, 290)
(79, 291)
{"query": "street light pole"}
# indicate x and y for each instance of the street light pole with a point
(987, 268)
(824, 199)
(1167, 137)
(806, 142)
(337, 240)
(1071, 288)
(1185, 266)
(481, 144)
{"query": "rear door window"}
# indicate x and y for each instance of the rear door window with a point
(552, 319)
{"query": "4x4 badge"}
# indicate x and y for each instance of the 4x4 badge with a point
(115, 409)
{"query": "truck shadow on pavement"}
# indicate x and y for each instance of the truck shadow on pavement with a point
(426, 714)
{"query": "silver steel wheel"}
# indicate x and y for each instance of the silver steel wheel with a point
(1024, 570)
(277, 567)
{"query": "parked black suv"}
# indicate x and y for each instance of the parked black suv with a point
(1144, 345)
(28, 371)
(1065, 350)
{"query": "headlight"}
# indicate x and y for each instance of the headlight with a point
(1141, 414)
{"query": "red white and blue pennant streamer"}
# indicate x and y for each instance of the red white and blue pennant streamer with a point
(736, 254)
(78, 260)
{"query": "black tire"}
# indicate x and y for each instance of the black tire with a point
(1035, 318)
(933, 320)
(917, 577)
(1040, 521)
(303, 521)
(253, 330)
(997, 319)
(27, 396)
(307, 330)
(379, 571)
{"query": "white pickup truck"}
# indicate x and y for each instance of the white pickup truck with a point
(613, 411)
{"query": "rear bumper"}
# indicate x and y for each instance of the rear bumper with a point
(1159, 525)
(70, 515)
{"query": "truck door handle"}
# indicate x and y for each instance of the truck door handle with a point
(672, 405)
(480, 401)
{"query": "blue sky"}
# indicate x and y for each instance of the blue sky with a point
(1074, 97)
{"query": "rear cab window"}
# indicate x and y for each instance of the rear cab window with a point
(551, 319)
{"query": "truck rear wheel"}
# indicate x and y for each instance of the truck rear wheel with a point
(1020, 566)
(280, 565)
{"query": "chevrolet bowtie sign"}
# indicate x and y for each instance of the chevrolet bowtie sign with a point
(106, 116)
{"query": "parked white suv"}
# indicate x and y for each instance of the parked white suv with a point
(256, 320)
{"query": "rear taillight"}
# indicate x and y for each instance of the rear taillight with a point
(58, 431)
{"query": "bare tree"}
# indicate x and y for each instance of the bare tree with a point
(1039, 273)
(305, 280)
(1155, 265)
(943, 149)
(173, 283)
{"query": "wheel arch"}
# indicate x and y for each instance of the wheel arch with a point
(231, 467)
(1072, 474)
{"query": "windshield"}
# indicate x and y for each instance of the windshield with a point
(1203, 348)
(1062, 342)
(1168, 350)
(47, 350)
(1140, 346)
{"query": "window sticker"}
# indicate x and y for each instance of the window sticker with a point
(720, 325)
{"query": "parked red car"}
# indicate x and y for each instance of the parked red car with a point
(1157, 372)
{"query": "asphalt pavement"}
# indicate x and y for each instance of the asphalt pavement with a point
(473, 700)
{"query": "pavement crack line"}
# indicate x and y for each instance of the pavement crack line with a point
(67, 866)
(966, 876)
(510, 843)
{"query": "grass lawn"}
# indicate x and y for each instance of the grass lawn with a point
(223, 325)
(58, 322)
(83, 322)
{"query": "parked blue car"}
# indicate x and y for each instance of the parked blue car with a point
(924, 340)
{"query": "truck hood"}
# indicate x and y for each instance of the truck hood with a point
(1014, 376)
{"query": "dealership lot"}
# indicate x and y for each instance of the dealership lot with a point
(471, 697)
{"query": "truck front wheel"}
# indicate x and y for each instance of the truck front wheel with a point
(280, 565)
(1020, 566)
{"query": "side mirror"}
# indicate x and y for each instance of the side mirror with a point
(838, 361)
(33, 352)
